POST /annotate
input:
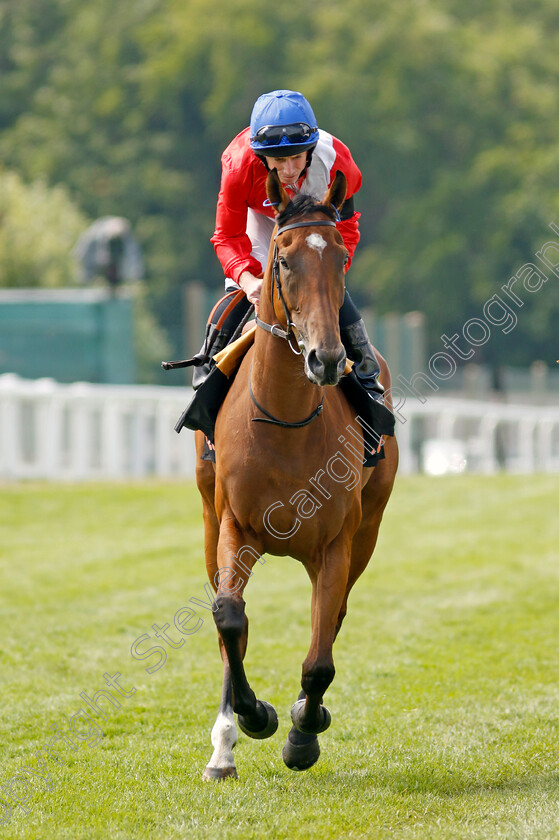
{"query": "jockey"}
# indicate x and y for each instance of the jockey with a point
(283, 135)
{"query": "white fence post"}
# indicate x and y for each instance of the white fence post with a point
(9, 437)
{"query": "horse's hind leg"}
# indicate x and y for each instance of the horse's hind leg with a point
(205, 480)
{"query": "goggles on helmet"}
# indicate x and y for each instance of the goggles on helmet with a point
(272, 135)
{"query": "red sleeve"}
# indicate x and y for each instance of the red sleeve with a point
(232, 245)
(349, 228)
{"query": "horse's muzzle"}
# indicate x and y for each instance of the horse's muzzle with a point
(326, 367)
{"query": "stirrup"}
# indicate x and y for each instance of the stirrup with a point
(371, 384)
(378, 420)
(202, 410)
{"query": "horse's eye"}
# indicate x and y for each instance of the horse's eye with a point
(283, 262)
(346, 259)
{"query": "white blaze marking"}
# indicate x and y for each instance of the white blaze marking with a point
(316, 242)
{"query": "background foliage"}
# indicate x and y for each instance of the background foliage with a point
(450, 109)
(39, 227)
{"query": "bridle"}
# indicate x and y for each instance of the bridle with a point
(287, 334)
(276, 329)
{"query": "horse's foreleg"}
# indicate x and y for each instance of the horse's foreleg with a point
(329, 585)
(235, 560)
(300, 750)
(224, 731)
(256, 717)
(224, 734)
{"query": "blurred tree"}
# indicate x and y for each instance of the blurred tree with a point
(449, 108)
(39, 225)
(454, 116)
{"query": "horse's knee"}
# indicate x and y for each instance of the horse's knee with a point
(229, 616)
(317, 677)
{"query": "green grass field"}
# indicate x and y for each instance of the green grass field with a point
(445, 706)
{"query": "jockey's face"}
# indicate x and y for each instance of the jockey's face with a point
(289, 168)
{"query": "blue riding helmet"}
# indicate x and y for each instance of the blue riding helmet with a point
(282, 124)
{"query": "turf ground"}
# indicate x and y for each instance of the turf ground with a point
(445, 706)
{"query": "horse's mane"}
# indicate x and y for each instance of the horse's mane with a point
(301, 205)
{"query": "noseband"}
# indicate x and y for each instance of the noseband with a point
(287, 334)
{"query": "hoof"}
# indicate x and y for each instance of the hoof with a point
(300, 756)
(270, 725)
(297, 715)
(216, 774)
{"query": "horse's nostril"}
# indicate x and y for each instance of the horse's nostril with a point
(327, 365)
(314, 361)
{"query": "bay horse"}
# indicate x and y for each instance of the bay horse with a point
(279, 431)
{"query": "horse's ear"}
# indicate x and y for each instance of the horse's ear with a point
(277, 196)
(337, 192)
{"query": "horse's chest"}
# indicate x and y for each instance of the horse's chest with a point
(286, 501)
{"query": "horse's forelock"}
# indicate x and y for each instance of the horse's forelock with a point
(302, 205)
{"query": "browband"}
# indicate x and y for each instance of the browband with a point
(320, 223)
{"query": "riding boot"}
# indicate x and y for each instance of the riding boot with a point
(216, 339)
(209, 383)
(360, 350)
(225, 319)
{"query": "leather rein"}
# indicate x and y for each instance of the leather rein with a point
(287, 334)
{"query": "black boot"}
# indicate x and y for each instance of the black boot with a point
(215, 341)
(226, 320)
(211, 385)
(360, 350)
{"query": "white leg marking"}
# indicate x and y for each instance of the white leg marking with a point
(224, 738)
(316, 242)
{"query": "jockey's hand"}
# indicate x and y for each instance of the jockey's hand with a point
(251, 286)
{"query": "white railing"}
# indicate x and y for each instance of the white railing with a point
(483, 436)
(84, 431)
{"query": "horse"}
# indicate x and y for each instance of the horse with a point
(278, 430)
